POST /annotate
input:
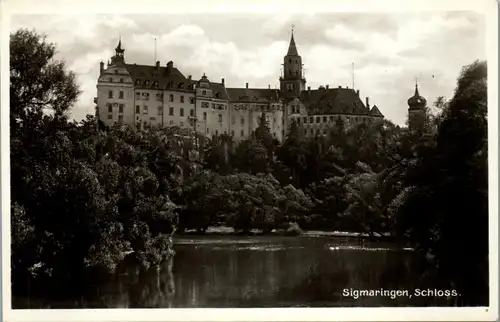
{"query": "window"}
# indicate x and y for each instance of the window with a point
(110, 94)
(213, 105)
(298, 121)
(146, 96)
(171, 98)
(232, 132)
(305, 120)
(204, 92)
(116, 71)
(182, 112)
(121, 80)
(137, 109)
(220, 118)
(120, 118)
(110, 80)
(159, 97)
(274, 120)
(191, 112)
(242, 133)
(204, 116)
(120, 108)
(216, 132)
(137, 96)
(159, 110)
(144, 109)
(208, 130)
(110, 117)
(242, 120)
(182, 98)
(233, 119)
(204, 104)
(331, 118)
(325, 119)
(311, 119)
(110, 108)
(120, 96)
(171, 111)
(171, 122)
(191, 100)
(318, 119)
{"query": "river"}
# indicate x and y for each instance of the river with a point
(262, 271)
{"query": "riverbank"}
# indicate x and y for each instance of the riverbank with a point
(229, 231)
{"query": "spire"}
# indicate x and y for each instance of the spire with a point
(292, 49)
(119, 48)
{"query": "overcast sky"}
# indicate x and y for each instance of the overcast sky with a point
(390, 50)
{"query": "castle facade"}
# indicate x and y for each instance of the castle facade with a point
(143, 96)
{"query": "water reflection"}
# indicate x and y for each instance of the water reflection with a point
(263, 272)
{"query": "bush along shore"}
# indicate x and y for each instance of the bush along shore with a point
(84, 196)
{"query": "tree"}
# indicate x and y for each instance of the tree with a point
(444, 210)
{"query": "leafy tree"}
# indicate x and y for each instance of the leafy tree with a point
(453, 236)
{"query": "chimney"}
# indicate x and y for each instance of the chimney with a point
(340, 86)
(367, 102)
(327, 86)
(189, 77)
(309, 91)
(170, 66)
(357, 92)
(157, 64)
(101, 67)
(223, 81)
(268, 86)
(247, 85)
(347, 87)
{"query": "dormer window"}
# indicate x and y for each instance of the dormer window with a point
(146, 83)
(137, 82)
(121, 80)
(217, 95)
(110, 80)
(116, 71)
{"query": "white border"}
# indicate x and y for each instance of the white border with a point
(487, 7)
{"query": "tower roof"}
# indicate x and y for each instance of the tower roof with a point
(292, 48)
(417, 101)
(119, 48)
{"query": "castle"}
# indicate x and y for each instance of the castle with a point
(143, 96)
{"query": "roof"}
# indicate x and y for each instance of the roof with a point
(416, 100)
(256, 95)
(375, 111)
(221, 89)
(157, 77)
(292, 48)
(333, 101)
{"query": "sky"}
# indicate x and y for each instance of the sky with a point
(390, 51)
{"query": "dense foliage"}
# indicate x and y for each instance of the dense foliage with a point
(84, 197)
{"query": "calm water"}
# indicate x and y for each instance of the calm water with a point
(230, 271)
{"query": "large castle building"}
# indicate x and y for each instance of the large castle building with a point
(143, 96)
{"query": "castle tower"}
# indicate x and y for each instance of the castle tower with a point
(119, 57)
(417, 110)
(292, 82)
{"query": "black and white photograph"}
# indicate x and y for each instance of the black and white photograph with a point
(295, 159)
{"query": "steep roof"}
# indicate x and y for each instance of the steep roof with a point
(221, 89)
(292, 48)
(375, 111)
(333, 101)
(256, 95)
(161, 77)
